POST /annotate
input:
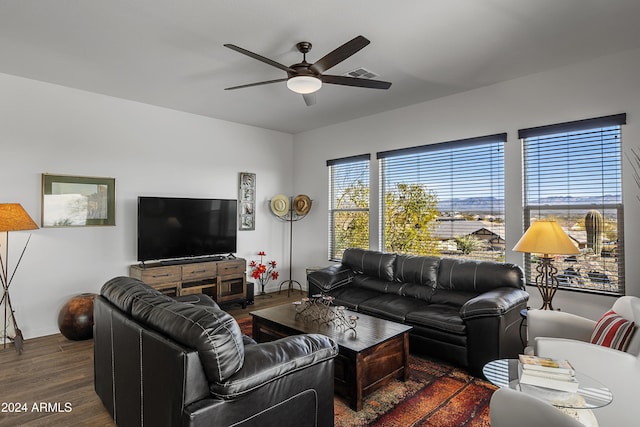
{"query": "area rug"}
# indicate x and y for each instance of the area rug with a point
(436, 394)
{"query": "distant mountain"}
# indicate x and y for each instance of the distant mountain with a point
(488, 204)
(471, 204)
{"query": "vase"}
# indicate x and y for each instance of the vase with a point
(262, 292)
(75, 319)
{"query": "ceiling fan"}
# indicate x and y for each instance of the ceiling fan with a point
(305, 78)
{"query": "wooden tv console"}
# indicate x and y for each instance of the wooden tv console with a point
(224, 280)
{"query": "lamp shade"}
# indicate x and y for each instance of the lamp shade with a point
(546, 237)
(304, 84)
(13, 217)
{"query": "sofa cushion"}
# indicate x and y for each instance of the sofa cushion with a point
(352, 296)
(270, 361)
(375, 284)
(123, 291)
(198, 299)
(392, 307)
(212, 332)
(478, 276)
(438, 316)
(371, 263)
(420, 292)
(441, 344)
(420, 270)
(454, 299)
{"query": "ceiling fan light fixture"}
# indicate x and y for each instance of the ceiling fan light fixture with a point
(304, 84)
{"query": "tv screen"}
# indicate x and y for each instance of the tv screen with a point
(171, 227)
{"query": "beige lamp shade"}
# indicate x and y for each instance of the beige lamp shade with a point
(13, 217)
(547, 238)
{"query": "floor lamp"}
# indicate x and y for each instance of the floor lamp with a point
(12, 218)
(546, 238)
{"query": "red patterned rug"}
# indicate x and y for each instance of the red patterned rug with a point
(436, 394)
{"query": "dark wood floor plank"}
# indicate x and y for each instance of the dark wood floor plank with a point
(53, 370)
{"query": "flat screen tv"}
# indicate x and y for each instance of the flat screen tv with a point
(183, 228)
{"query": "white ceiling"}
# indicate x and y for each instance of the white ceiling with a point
(170, 52)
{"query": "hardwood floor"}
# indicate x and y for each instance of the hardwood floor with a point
(51, 383)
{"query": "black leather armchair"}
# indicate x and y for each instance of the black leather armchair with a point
(163, 362)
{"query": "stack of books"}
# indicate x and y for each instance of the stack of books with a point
(547, 372)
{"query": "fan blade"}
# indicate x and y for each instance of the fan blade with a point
(354, 81)
(257, 84)
(260, 58)
(309, 99)
(338, 55)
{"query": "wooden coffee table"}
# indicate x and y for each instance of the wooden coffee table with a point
(368, 359)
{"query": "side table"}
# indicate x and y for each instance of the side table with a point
(591, 394)
(523, 325)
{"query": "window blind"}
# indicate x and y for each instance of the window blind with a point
(572, 173)
(445, 198)
(348, 204)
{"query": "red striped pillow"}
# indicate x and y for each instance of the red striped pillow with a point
(613, 330)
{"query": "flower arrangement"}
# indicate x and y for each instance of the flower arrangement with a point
(263, 272)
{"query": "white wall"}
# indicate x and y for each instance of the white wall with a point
(601, 87)
(46, 128)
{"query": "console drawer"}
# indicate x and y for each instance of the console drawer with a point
(203, 270)
(231, 268)
(157, 275)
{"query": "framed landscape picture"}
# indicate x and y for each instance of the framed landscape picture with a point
(78, 201)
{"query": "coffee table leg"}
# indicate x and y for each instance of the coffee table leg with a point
(356, 405)
(406, 356)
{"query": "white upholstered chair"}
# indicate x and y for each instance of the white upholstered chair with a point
(510, 408)
(566, 336)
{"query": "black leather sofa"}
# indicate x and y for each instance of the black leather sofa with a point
(162, 362)
(462, 311)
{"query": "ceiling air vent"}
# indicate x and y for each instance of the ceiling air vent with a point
(361, 73)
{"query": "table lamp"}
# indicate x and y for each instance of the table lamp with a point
(546, 238)
(12, 218)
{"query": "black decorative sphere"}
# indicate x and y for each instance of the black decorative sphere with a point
(75, 319)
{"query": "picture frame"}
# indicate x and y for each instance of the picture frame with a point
(78, 201)
(247, 201)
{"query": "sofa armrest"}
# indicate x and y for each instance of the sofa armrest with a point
(329, 278)
(493, 303)
(551, 323)
(273, 360)
(197, 299)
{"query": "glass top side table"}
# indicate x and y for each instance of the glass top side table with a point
(591, 394)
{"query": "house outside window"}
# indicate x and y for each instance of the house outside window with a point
(348, 204)
(572, 174)
(444, 199)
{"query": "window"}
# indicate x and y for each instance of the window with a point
(348, 204)
(444, 199)
(572, 174)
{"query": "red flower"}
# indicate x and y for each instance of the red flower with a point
(262, 273)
